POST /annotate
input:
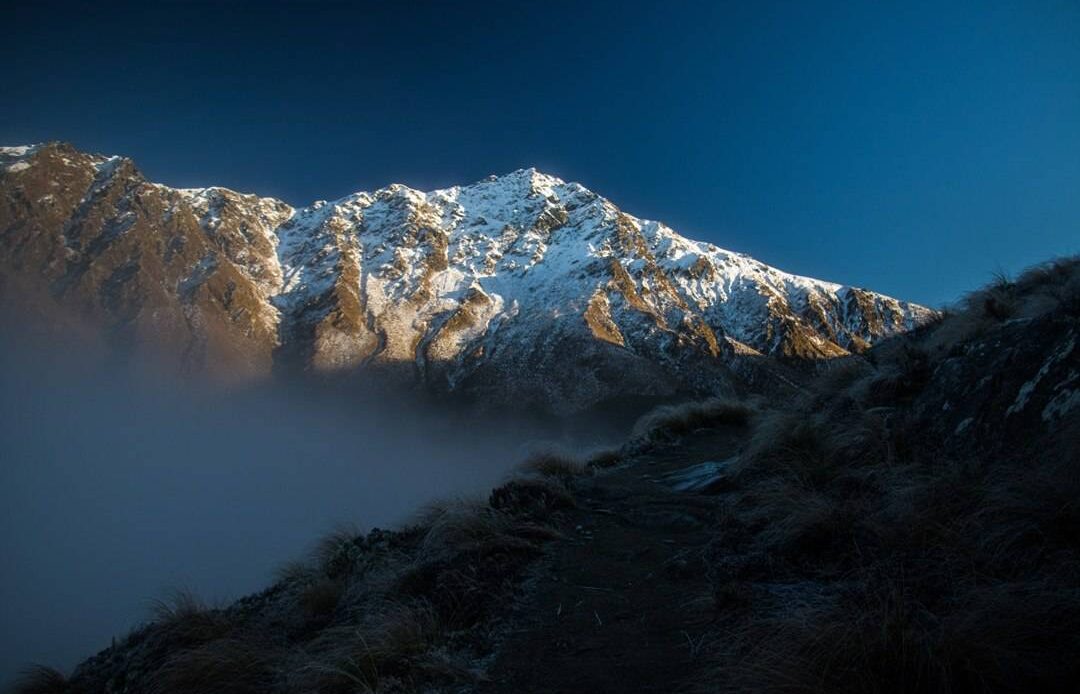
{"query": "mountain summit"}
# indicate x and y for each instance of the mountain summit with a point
(519, 288)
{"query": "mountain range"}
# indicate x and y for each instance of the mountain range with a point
(518, 289)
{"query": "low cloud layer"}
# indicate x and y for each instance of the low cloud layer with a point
(114, 491)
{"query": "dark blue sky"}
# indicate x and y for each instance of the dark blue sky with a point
(910, 147)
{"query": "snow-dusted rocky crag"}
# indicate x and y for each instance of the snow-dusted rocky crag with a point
(518, 288)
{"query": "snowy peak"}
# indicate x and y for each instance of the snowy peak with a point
(516, 184)
(520, 287)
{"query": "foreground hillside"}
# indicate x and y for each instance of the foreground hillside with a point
(910, 523)
(520, 290)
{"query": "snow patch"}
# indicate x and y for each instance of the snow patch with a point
(1063, 401)
(1061, 404)
(1026, 390)
(19, 151)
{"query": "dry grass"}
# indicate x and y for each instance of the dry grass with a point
(405, 636)
(394, 647)
(554, 465)
(1052, 287)
(533, 498)
(838, 376)
(470, 552)
(338, 552)
(601, 460)
(39, 679)
(228, 665)
(881, 635)
(178, 606)
(187, 620)
(672, 421)
(857, 554)
(462, 527)
(407, 632)
(295, 572)
(792, 444)
(320, 599)
(943, 575)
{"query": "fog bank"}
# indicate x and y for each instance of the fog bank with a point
(114, 492)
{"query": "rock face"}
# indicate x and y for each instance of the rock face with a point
(519, 288)
(1015, 388)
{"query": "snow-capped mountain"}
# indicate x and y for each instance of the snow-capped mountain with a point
(522, 287)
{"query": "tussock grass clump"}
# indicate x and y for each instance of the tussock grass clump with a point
(321, 598)
(338, 560)
(462, 526)
(924, 574)
(554, 465)
(906, 374)
(468, 547)
(40, 679)
(395, 647)
(999, 300)
(1053, 286)
(178, 606)
(1049, 288)
(859, 551)
(296, 572)
(880, 634)
(837, 376)
(602, 460)
(228, 665)
(672, 421)
(789, 441)
(533, 498)
(404, 629)
(416, 625)
(187, 620)
(338, 552)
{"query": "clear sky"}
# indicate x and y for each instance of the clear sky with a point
(910, 147)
